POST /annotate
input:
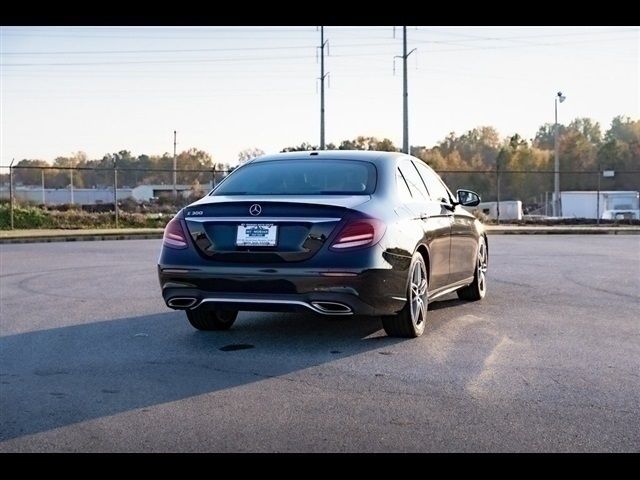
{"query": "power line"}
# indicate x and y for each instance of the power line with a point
(295, 57)
(142, 62)
(140, 33)
(631, 35)
(293, 47)
(254, 31)
(178, 50)
(544, 35)
(500, 47)
(188, 50)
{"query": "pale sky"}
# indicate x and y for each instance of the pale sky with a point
(104, 89)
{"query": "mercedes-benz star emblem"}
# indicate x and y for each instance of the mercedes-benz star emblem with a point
(255, 209)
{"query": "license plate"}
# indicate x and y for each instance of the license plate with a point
(256, 235)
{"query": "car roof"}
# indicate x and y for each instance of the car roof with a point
(372, 156)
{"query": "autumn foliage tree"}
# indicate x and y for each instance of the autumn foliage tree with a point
(470, 160)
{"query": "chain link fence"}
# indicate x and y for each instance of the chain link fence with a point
(535, 190)
(104, 193)
(147, 196)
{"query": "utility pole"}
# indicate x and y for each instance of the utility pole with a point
(405, 91)
(498, 186)
(556, 168)
(323, 75)
(546, 204)
(42, 175)
(11, 190)
(175, 173)
(598, 195)
(405, 94)
(115, 189)
(71, 176)
(556, 174)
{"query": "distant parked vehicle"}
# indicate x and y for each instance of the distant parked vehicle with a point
(621, 215)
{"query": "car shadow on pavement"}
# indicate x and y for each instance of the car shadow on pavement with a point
(57, 377)
(446, 303)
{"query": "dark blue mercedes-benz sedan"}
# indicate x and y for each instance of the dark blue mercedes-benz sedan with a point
(331, 232)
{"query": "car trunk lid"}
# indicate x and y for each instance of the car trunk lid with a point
(245, 229)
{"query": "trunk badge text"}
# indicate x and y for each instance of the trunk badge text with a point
(255, 209)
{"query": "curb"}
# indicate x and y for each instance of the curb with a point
(82, 238)
(562, 231)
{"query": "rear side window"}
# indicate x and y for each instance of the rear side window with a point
(403, 189)
(414, 181)
(301, 177)
(436, 187)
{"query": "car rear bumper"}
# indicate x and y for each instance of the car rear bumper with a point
(363, 292)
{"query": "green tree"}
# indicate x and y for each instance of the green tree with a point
(248, 154)
(194, 159)
(61, 178)
(544, 138)
(358, 143)
(431, 156)
(624, 129)
(621, 152)
(589, 129)
(29, 176)
(368, 143)
(303, 147)
(129, 173)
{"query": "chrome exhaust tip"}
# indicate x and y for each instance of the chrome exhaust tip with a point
(181, 302)
(332, 308)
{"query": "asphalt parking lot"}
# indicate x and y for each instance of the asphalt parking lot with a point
(92, 360)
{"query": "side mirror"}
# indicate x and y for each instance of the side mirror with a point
(467, 198)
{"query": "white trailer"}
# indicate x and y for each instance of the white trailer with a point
(612, 204)
(509, 209)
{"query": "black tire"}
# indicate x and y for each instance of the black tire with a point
(478, 289)
(410, 321)
(211, 319)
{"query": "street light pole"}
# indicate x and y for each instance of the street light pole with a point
(556, 171)
(175, 164)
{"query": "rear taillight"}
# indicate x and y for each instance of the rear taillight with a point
(359, 233)
(174, 236)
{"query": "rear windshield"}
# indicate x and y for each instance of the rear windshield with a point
(301, 177)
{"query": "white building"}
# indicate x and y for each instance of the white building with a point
(91, 196)
(59, 196)
(145, 193)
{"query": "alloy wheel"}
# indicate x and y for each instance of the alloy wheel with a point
(418, 294)
(482, 267)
